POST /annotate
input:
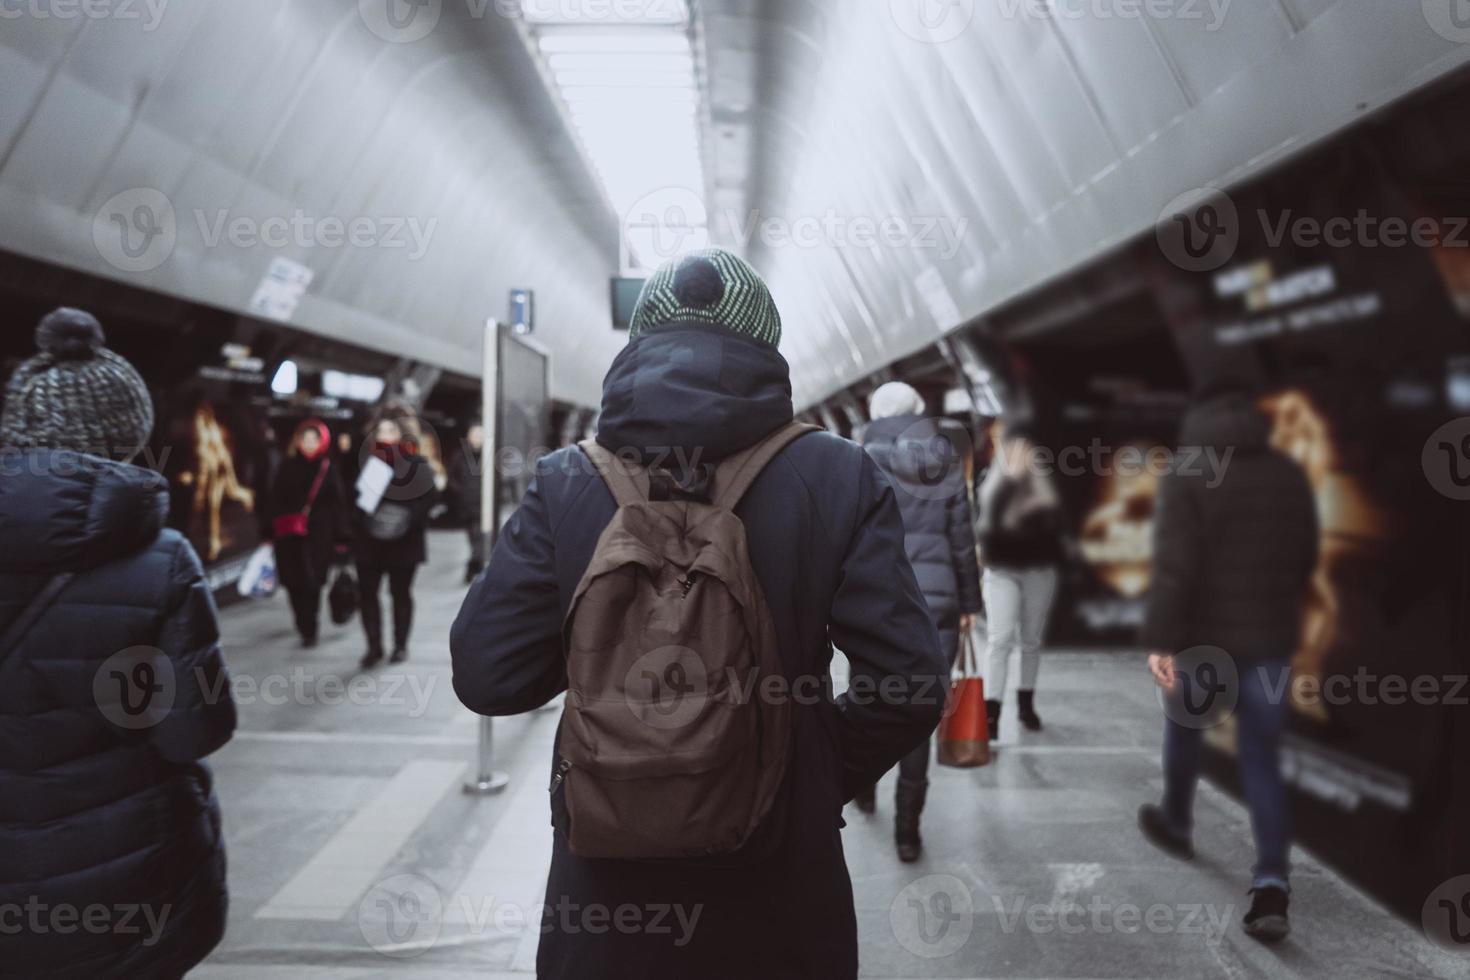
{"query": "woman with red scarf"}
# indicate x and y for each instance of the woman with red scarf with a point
(391, 540)
(307, 519)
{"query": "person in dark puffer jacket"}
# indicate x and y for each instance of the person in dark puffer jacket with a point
(112, 861)
(939, 537)
(1235, 546)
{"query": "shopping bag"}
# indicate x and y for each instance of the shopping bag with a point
(964, 733)
(343, 597)
(259, 581)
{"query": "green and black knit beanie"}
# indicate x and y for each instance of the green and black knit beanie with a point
(713, 287)
(76, 394)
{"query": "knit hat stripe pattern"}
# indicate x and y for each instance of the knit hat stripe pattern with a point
(745, 308)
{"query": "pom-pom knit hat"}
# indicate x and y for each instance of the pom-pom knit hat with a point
(713, 287)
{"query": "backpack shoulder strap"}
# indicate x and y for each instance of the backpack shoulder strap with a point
(736, 475)
(21, 625)
(628, 482)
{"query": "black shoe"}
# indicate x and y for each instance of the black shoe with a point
(399, 655)
(371, 659)
(992, 718)
(1151, 821)
(308, 643)
(1026, 711)
(867, 801)
(906, 839)
(1267, 920)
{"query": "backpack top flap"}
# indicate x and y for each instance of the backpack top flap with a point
(669, 751)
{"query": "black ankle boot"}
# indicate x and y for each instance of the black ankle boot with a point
(992, 718)
(1026, 710)
(908, 805)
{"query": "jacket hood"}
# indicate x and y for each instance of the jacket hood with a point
(1234, 422)
(692, 389)
(913, 449)
(63, 511)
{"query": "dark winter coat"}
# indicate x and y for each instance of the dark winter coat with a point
(466, 483)
(94, 813)
(939, 533)
(412, 487)
(826, 543)
(304, 563)
(1232, 555)
(1034, 541)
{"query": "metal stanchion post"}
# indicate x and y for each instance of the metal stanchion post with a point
(488, 780)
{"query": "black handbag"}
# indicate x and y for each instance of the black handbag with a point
(342, 597)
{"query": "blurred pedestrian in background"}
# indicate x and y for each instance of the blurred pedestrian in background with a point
(939, 539)
(1232, 564)
(1020, 530)
(112, 687)
(466, 484)
(391, 539)
(307, 519)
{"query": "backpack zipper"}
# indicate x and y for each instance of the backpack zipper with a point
(688, 583)
(560, 775)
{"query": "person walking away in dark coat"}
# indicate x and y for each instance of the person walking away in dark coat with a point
(1235, 547)
(1020, 531)
(307, 496)
(391, 541)
(700, 381)
(466, 483)
(939, 539)
(116, 690)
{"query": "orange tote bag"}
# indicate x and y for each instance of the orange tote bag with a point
(964, 734)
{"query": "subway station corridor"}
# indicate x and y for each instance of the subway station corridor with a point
(357, 856)
(487, 487)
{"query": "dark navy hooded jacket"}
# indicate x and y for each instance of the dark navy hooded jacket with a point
(97, 811)
(827, 543)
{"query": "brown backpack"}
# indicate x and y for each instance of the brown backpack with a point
(669, 750)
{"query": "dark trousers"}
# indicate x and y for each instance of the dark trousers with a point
(477, 547)
(306, 607)
(1260, 715)
(400, 587)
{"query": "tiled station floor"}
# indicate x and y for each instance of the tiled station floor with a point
(355, 855)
